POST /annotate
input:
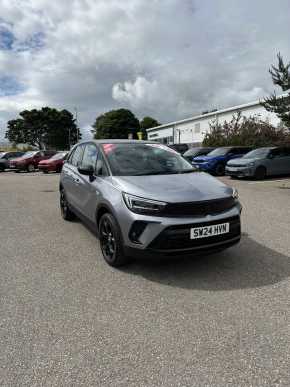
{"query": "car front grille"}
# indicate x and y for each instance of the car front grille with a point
(178, 237)
(201, 208)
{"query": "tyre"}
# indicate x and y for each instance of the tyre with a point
(260, 173)
(111, 241)
(30, 168)
(66, 213)
(219, 169)
(44, 171)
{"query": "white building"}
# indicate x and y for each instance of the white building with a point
(192, 130)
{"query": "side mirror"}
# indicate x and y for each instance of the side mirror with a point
(87, 170)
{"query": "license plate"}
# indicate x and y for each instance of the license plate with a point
(233, 169)
(208, 231)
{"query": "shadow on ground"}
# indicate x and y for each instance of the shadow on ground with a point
(247, 265)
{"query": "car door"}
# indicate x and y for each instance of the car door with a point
(70, 175)
(277, 161)
(85, 189)
(285, 161)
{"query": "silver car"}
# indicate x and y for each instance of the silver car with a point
(143, 198)
(260, 163)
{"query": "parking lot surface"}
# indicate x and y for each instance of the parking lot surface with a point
(68, 319)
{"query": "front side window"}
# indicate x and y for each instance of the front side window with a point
(133, 159)
(90, 156)
(77, 156)
(101, 168)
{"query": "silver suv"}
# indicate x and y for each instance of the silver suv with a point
(143, 198)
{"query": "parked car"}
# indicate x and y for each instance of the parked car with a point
(142, 198)
(197, 151)
(5, 158)
(54, 164)
(30, 160)
(260, 163)
(180, 148)
(215, 161)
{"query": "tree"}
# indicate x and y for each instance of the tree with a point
(280, 105)
(116, 124)
(147, 123)
(44, 128)
(243, 131)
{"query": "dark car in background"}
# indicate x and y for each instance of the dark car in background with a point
(5, 158)
(180, 148)
(260, 163)
(215, 161)
(54, 164)
(30, 160)
(196, 151)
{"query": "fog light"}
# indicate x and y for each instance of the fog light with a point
(136, 230)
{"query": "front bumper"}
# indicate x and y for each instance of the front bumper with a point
(18, 167)
(46, 168)
(240, 171)
(171, 235)
(204, 167)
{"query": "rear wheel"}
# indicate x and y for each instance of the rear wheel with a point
(260, 173)
(219, 169)
(30, 168)
(111, 241)
(66, 213)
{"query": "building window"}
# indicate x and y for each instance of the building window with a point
(197, 127)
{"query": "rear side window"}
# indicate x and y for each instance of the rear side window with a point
(90, 156)
(77, 155)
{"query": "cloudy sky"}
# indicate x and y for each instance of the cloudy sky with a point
(165, 58)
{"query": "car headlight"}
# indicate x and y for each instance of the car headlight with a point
(251, 164)
(143, 206)
(235, 194)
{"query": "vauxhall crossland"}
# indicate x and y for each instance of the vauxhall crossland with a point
(143, 198)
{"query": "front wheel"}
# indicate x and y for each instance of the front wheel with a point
(30, 168)
(66, 213)
(111, 241)
(260, 173)
(219, 169)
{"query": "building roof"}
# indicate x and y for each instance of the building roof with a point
(210, 114)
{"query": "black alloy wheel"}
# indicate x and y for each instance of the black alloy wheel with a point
(66, 213)
(111, 241)
(260, 173)
(219, 169)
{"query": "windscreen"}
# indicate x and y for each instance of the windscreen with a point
(29, 154)
(192, 152)
(58, 156)
(133, 159)
(257, 153)
(219, 152)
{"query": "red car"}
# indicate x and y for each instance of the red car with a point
(30, 160)
(54, 164)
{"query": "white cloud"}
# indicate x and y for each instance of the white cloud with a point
(168, 59)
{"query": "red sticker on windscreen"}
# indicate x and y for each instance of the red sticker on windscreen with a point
(108, 147)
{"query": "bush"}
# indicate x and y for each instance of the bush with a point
(243, 131)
